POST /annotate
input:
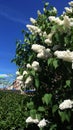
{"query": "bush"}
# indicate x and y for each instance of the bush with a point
(12, 110)
(45, 64)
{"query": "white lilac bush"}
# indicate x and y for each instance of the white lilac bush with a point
(45, 64)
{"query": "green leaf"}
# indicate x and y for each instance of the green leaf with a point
(33, 113)
(30, 105)
(57, 35)
(37, 82)
(38, 116)
(32, 72)
(68, 83)
(41, 109)
(55, 108)
(64, 116)
(47, 98)
(55, 63)
(50, 60)
(53, 127)
(30, 58)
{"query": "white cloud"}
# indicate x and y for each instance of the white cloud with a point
(13, 15)
(4, 75)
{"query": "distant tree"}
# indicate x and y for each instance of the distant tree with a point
(6, 81)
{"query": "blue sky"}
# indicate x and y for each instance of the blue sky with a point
(14, 15)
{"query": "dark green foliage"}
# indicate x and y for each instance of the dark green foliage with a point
(54, 82)
(12, 110)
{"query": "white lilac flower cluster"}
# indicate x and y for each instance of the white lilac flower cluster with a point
(31, 120)
(65, 55)
(24, 72)
(27, 82)
(71, 3)
(35, 65)
(67, 22)
(33, 29)
(69, 9)
(54, 10)
(41, 51)
(66, 104)
(38, 12)
(19, 79)
(17, 73)
(48, 38)
(42, 123)
(32, 20)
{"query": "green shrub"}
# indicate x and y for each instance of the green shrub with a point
(45, 63)
(12, 110)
